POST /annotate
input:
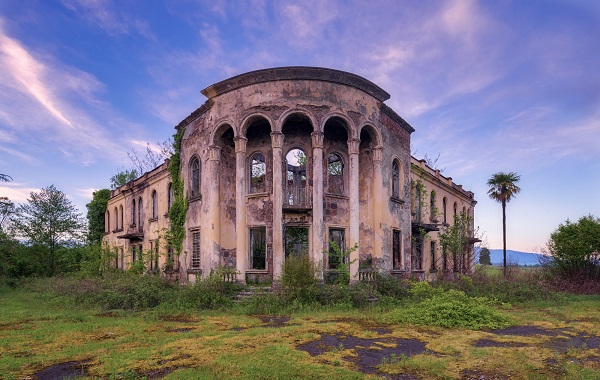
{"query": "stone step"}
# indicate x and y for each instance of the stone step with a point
(251, 291)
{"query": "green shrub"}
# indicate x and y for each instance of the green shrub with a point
(447, 308)
(299, 278)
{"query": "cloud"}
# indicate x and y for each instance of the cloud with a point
(112, 19)
(16, 192)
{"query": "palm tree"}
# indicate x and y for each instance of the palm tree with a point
(5, 178)
(503, 187)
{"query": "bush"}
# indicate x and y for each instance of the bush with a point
(299, 279)
(450, 308)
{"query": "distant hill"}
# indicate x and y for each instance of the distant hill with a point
(518, 257)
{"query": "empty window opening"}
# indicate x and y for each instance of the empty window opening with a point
(154, 205)
(335, 174)
(432, 268)
(195, 177)
(395, 179)
(337, 247)
(296, 241)
(297, 193)
(397, 249)
(417, 253)
(258, 248)
(258, 173)
(195, 264)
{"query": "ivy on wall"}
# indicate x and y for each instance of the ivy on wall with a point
(180, 205)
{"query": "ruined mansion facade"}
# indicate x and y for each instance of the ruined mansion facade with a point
(288, 161)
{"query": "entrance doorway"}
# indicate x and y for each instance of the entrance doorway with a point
(296, 241)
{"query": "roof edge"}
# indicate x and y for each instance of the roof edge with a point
(296, 73)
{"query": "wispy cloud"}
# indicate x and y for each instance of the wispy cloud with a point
(16, 192)
(109, 17)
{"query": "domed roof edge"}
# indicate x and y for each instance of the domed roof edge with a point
(296, 73)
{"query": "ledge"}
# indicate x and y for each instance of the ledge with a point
(155, 219)
(338, 196)
(257, 195)
(257, 271)
(396, 200)
(195, 199)
(194, 271)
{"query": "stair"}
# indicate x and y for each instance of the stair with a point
(251, 291)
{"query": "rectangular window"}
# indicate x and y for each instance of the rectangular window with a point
(172, 262)
(337, 247)
(417, 253)
(258, 248)
(133, 253)
(196, 250)
(445, 259)
(397, 249)
(432, 268)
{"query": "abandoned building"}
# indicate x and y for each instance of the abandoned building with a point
(287, 161)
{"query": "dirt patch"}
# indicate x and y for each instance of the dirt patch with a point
(526, 331)
(580, 341)
(494, 343)
(274, 321)
(475, 374)
(66, 370)
(181, 329)
(370, 352)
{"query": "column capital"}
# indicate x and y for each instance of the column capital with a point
(277, 139)
(214, 153)
(377, 154)
(353, 146)
(317, 139)
(240, 144)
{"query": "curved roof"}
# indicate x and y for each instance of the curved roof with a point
(296, 73)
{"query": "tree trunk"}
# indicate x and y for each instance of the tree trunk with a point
(504, 233)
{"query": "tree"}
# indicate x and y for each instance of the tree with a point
(575, 248)
(484, 256)
(95, 215)
(48, 220)
(503, 187)
(457, 239)
(122, 177)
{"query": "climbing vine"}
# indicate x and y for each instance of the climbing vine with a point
(180, 205)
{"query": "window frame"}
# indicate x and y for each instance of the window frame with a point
(397, 262)
(342, 175)
(257, 237)
(251, 188)
(342, 247)
(194, 178)
(396, 178)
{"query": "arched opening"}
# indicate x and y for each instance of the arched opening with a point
(258, 173)
(335, 174)
(169, 196)
(122, 216)
(154, 205)
(445, 211)
(140, 214)
(433, 211)
(194, 177)
(396, 179)
(133, 213)
(116, 218)
(296, 189)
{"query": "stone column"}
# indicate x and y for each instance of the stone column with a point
(317, 199)
(353, 236)
(378, 201)
(213, 206)
(241, 254)
(278, 251)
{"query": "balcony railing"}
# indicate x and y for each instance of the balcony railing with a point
(297, 197)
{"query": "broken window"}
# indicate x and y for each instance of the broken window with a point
(258, 173)
(122, 216)
(169, 196)
(395, 179)
(335, 174)
(258, 248)
(432, 208)
(418, 204)
(397, 249)
(195, 264)
(140, 214)
(133, 212)
(445, 213)
(337, 247)
(154, 205)
(195, 177)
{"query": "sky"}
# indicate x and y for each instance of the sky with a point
(489, 86)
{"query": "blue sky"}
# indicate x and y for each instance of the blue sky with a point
(488, 85)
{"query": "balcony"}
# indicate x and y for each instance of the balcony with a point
(297, 198)
(133, 233)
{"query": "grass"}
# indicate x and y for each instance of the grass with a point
(176, 341)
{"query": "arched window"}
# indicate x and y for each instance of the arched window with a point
(455, 210)
(116, 219)
(140, 213)
(335, 174)
(445, 211)
(154, 205)
(133, 212)
(395, 179)
(107, 223)
(195, 177)
(122, 216)
(258, 173)
(169, 196)
(297, 193)
(464, 211)
(432, 209)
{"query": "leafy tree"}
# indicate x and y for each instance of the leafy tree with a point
(456, 241)
(48, 220)
(575, 247)
(95, 215)
(503, 187)
(484, 256)
(122, 177)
